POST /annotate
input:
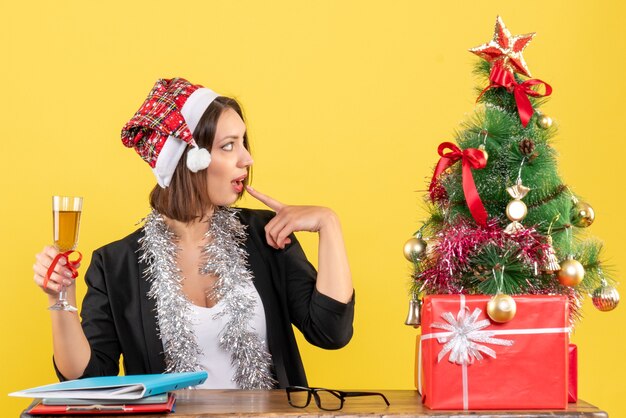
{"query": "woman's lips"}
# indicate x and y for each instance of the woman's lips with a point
(238, 184)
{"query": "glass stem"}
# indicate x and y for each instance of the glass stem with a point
(62, 293)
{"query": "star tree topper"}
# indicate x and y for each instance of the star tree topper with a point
(505, 49)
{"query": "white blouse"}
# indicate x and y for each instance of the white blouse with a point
(214, 359)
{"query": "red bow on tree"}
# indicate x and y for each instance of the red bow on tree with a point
(471, 158)
(501, 76)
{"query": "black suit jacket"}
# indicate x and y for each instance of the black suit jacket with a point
(119, 318)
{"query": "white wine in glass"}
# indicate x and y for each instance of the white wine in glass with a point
(66, 211)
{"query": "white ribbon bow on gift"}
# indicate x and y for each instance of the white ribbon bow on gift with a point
(465, 338)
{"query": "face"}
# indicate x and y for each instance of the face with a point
(230, 160)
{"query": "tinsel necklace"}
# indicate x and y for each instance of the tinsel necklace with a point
(225, 258)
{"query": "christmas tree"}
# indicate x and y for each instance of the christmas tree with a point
(502, 221)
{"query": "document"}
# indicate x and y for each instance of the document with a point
(99, 409)
(116, 387)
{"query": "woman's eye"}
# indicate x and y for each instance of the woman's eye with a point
(228, 147)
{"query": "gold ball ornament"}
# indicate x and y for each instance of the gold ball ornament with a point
(501, 308)
(516, 210)
(605, 298)
(414, 248)
(571, 273)
(544, 122)
(582, 215)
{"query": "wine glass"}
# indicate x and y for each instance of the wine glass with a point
(66, 211)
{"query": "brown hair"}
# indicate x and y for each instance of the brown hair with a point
(186, 199)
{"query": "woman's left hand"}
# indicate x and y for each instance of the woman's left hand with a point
(291, 219)
(333, 273)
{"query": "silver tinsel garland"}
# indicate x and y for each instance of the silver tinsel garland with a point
(158, 250)
(225, 258)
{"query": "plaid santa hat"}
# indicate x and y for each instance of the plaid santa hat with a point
(162, 128)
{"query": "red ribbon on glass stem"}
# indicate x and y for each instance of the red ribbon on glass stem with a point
(470, 158)
(503, 77)
(70, 264)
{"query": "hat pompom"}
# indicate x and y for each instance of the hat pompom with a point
(198, 159)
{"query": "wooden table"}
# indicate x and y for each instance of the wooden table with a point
(404, 403)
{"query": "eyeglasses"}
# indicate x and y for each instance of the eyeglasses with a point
(326, 399)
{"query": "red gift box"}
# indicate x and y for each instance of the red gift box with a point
(572, 389)
(521, 364)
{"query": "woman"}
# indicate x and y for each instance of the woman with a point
(202, 285)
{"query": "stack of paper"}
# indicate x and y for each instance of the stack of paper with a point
(111, 394)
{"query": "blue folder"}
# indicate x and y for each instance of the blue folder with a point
(154, 399)
(116, 387)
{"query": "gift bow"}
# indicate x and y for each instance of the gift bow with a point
(500, 76)
(471, 158)
(465, 338)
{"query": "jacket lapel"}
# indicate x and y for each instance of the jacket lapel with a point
(259, 267)
(155, 357)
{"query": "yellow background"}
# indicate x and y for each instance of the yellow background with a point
(346, 103)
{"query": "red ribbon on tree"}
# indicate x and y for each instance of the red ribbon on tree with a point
(501, 76)
(471, 158)
(70, 264)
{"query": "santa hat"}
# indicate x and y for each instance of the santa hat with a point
(162, 127)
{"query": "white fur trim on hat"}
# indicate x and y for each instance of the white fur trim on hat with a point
(198, 159)
(196, 104)
(173, 148)
(169, 156)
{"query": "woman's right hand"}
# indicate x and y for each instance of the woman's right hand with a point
(71, 348)
(61, 275)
